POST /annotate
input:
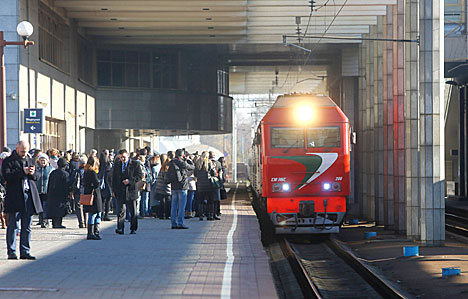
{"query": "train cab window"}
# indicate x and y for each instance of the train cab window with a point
(287, 137)
(323, 137)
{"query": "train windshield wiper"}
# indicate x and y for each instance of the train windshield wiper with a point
(291, 146)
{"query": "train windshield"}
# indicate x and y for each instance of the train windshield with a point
(287, 137)
(323, 137)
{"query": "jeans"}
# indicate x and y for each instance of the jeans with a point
(190, 196)
(94, 218)
(179, 199)
(80, 214)
(144, 204)
(25, 234)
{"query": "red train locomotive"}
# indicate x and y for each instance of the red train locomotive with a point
(300, 164)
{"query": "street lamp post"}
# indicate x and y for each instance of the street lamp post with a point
(24, 29)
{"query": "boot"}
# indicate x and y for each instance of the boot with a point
(3, 220)
(45, 223)
(200, 211)
(91, 235)
(96, 232)
(209, 212)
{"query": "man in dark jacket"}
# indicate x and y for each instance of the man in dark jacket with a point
(22, 199)
(179, 187)
(125, 175)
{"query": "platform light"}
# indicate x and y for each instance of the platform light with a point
(304, 113)
(25, 29)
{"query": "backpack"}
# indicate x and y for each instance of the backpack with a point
(141, 185)
(174, 174)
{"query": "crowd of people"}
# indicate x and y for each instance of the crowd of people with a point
(175, 185)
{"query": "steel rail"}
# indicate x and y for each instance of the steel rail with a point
(381, 285)
(309, 290)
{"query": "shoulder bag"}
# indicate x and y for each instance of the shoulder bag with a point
(87, 199)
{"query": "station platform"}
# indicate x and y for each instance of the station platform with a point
(419, 276)
(211, 259)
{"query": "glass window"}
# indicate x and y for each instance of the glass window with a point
(104, 71)
(52, 32)
(323, 137)
(287, 137)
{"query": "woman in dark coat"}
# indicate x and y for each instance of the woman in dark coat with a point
(58, 192)
(91, 184)
(105, 166)
(203, 172)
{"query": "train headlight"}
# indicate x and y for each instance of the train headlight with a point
(326, 186)
(286, 187)
(304, 114)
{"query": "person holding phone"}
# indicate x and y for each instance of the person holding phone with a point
(22, 199)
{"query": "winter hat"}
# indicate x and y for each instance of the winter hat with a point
(43, 156)
(62, 163)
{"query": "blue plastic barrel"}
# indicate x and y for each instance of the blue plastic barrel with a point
(411, 250)
(451, 271)
(369, 235)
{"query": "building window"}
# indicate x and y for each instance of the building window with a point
(138, 69)
(85, 60)
(165, 71)
(223, 82)
(52, 32)
(54, 136)
(454, 17)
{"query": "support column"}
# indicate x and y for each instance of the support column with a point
(388, 184)
(432, 126)
(370, 169)
(378, 123)
(361, 138)
(399, 138)
(412, 121)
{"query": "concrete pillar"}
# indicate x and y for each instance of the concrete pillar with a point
(431, 103)
(388, 178)
(361, 136)
(370, 166)
(412, 120)
(378, 123)
(399, 118)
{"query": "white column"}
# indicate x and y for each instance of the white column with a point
(431, 102)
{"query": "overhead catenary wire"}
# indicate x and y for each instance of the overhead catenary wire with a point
(305, 33)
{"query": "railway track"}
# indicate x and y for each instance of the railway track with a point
(328, 270)
(456, 221)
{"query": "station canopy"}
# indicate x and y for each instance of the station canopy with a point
(249, 32)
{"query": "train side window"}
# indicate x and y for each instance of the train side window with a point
(323, 137)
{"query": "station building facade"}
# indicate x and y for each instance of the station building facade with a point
(96, 95)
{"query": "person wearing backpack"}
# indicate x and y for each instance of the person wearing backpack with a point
(77, 190)
(177, 176)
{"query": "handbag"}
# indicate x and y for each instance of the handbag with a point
(215, 183)
(223, 193)
(87, 199)
(66, 208)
